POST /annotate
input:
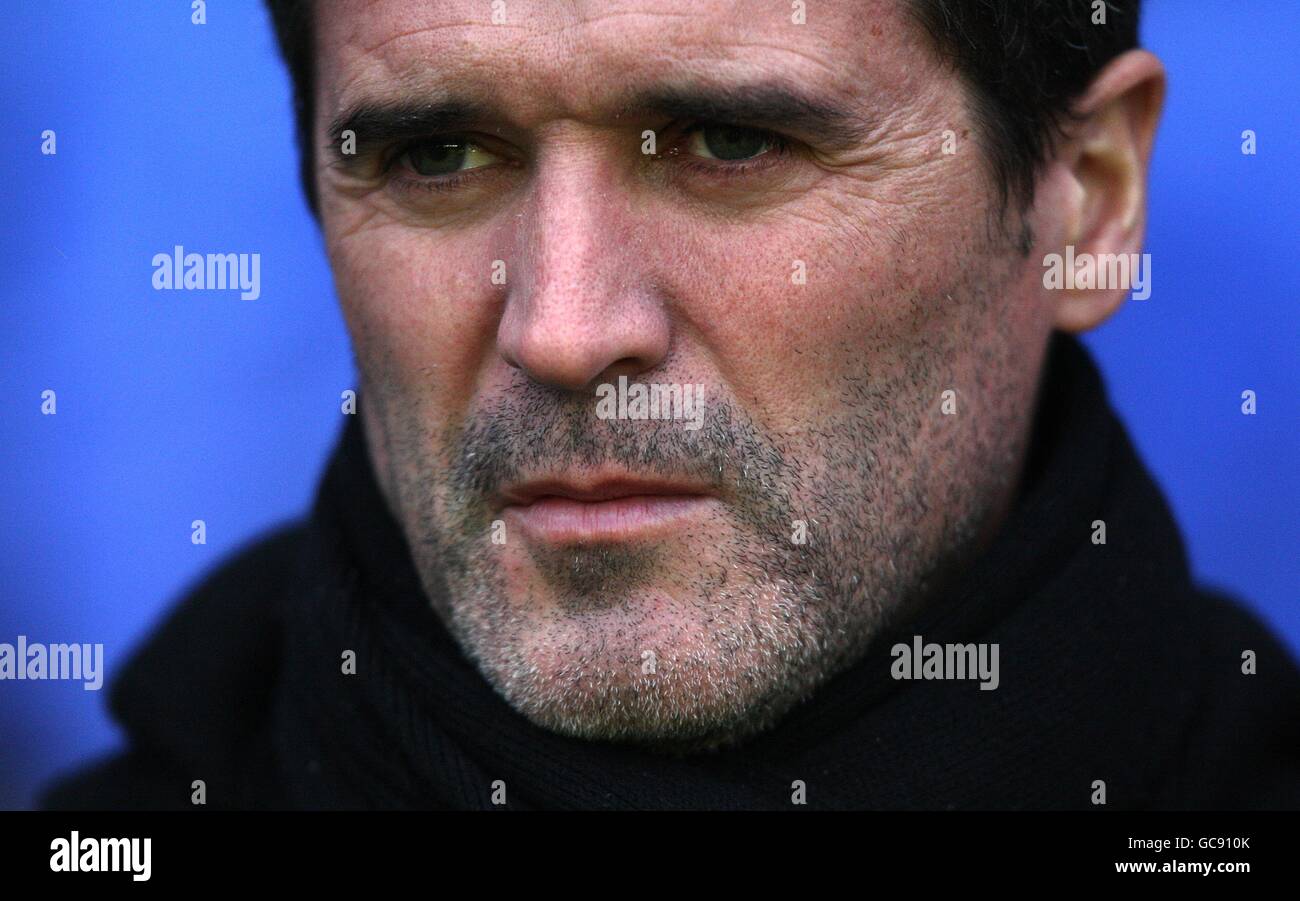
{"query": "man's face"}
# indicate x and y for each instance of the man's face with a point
(796, 242)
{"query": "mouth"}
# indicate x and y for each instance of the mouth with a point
(602, 507)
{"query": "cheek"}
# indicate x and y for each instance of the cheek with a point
(790, 308)
(420, 305)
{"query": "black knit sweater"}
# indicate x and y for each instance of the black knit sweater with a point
(1112, 668)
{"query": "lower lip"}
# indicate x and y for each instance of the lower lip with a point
(635, 517)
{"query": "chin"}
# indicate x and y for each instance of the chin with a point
(675, 674)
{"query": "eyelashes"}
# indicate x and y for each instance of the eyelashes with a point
(400, 168)
(682, 154)
(776, 148)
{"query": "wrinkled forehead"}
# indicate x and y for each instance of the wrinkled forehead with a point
(545, 59)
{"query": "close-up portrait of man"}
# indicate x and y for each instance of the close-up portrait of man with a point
(723, 436)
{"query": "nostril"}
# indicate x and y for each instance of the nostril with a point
(628, 366)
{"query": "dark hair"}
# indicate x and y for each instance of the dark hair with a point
(292, 20)
(1023, 63)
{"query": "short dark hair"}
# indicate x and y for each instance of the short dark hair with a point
(1023, 62)
(295, 33)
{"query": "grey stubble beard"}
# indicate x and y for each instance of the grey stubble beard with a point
(765, 623)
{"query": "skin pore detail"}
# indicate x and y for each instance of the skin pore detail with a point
(824, 396)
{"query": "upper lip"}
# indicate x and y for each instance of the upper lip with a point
(596, 486)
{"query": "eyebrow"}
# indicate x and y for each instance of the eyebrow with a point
(773, 105)
(379, 123)
(769, 105)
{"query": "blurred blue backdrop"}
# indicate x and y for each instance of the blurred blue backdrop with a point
(205, 406)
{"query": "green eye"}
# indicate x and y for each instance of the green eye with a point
(445, 156)
(730, 142)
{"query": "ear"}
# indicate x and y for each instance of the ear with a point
(1105, 158)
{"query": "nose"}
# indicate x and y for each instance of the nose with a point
(580, 302)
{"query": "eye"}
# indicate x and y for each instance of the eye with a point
(730, 143)
(435, 157)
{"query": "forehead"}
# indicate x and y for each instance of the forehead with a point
(576, 58)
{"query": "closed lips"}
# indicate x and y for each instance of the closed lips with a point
(618, 509)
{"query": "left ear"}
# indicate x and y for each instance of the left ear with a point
(1106, 157)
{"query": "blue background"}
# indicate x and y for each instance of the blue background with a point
(198, 405)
